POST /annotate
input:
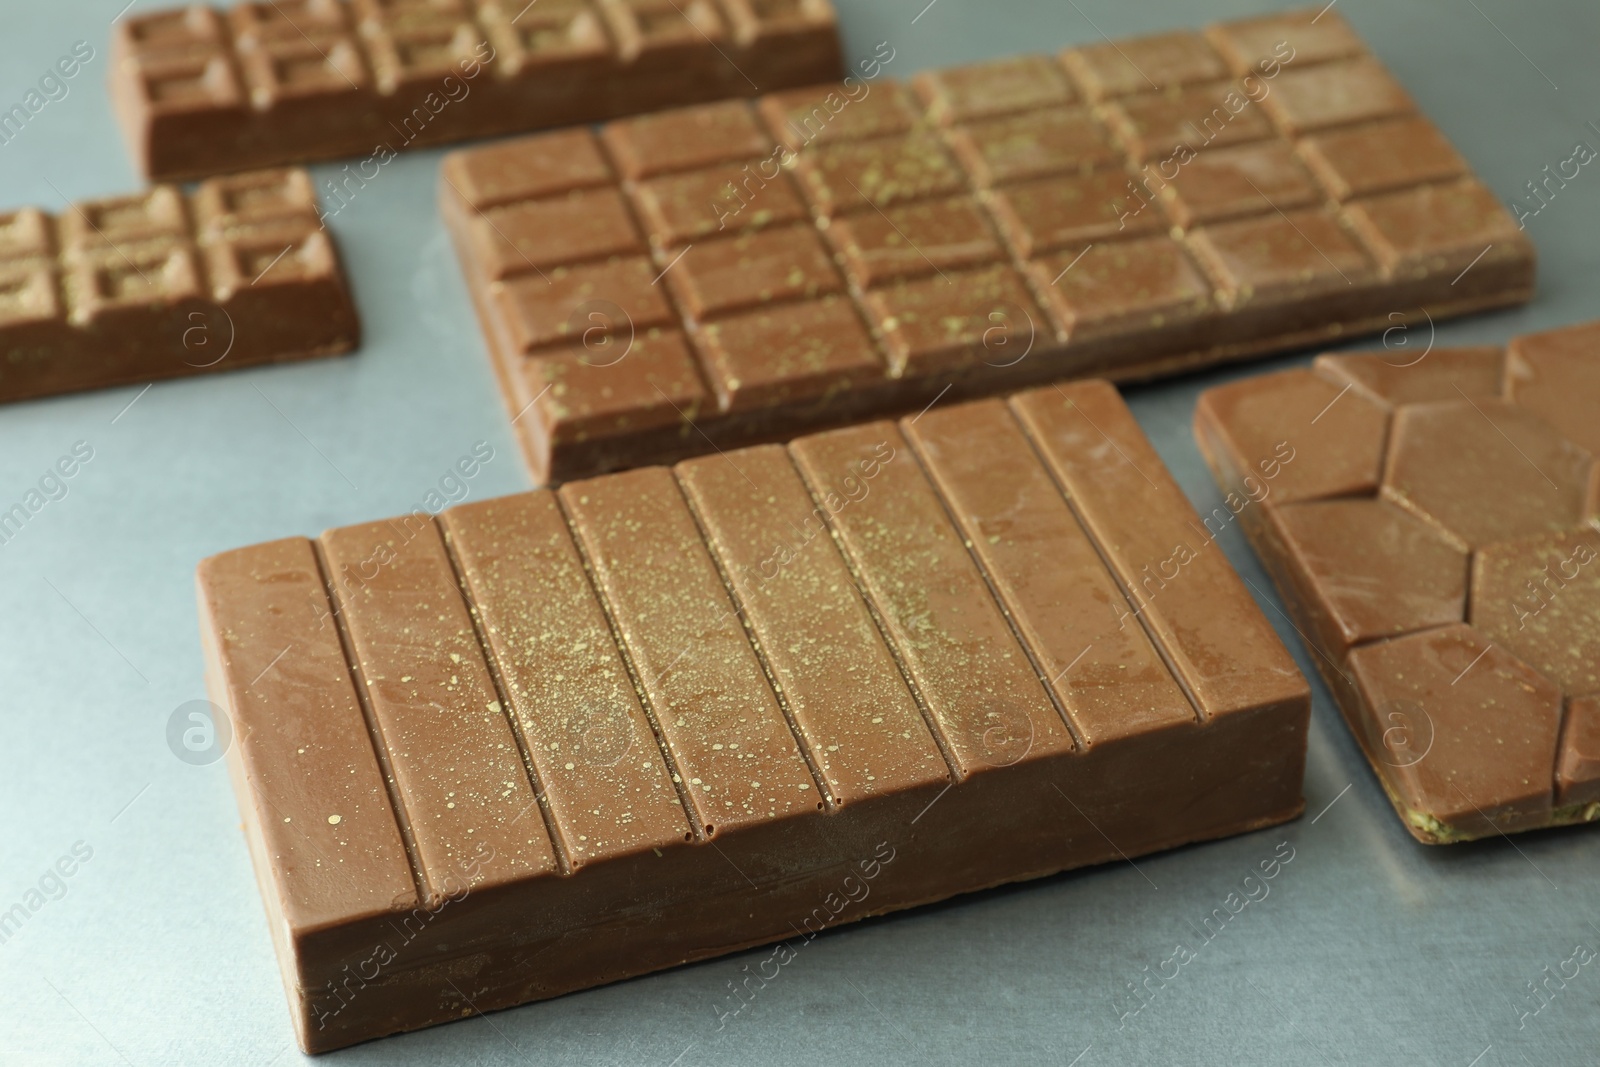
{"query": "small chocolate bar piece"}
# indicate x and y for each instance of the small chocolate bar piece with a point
(201, 91)
(1431, 521)
(719, 276)
(569, 736)
(168, 284)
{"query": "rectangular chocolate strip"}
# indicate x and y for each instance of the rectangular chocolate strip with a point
(723, 275)
(201, 91)
(560, 738)
(167, 284)
(1431, 520)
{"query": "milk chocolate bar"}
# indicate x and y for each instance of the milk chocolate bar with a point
(723, 275)
(1431, 522)
(560, 738)
(201, 91)
(167, 284)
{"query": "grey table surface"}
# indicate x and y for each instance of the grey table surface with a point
(1368, 949)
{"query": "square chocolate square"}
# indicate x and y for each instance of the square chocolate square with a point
(926, 237)
(303, 70)
(1295, 256)
(1121, 287)
(1154, 126)
(578, 393)
(827, 114)
(1250, 179)
(525, 168)
(1380, 156)
(592, 305)
(861, 175)
(689, 138)
(958, 322)
(1335, 94)
(533, 234)
(1143, 64)
(1050, 214)
(807, 351)
(678, 209)
(1064, 140)
(998, 87)
(770, 266)
(565, 37)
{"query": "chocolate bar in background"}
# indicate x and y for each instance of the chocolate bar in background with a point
(1431, 522)
(561, 738)
(201, 91)
(168, 284)
(729, 274)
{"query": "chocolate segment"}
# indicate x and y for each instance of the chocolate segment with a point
(203, 92)
(168, 284)
(1438, 553)
(553, 740)
(1128, 209)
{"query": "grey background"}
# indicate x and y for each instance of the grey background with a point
(1369, 948)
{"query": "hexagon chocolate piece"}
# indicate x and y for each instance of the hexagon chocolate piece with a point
(1485, 470)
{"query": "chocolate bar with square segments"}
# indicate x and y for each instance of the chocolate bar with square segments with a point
(1129, 210)
(166, 284)
(294, 81)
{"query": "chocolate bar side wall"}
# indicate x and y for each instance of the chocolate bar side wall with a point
(200, 91)
(561, 738)
(167, 284)
(1427, 518)
(724, 275)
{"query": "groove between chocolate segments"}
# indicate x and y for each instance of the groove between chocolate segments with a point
(199, 91)
(167, 284)
(729, 274)
(1430, 521)
(802, 657)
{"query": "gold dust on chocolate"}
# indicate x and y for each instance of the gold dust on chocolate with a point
(547, 741)
(1437, 537)
(1123, 210)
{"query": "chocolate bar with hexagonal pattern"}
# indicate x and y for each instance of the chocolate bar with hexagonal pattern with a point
(564, 737)
(168, 284)
(201, 91)
(1436, 538)
(726, 274)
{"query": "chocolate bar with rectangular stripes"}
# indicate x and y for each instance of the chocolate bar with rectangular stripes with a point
(724, 275)
(200, 91)
(555, 739)
(167, 284)
(1437, 539)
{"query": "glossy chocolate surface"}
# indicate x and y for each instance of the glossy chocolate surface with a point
(552, 740)
(1122, 210)
(1431, 520)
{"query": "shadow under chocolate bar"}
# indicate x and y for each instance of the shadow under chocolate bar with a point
(1436, 539)
(723, 275)
(168, 284)
(561, 738)
(201, 91)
